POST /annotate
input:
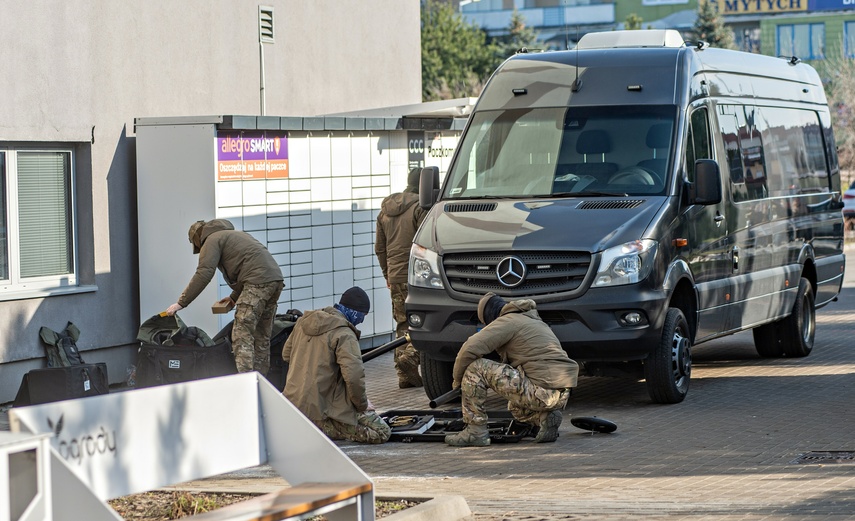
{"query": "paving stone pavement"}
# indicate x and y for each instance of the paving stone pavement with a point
(728, 452)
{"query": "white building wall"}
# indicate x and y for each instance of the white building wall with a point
(78, 72)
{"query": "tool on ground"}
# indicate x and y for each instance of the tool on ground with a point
(385, 348)
(594, 424)
(445, 398)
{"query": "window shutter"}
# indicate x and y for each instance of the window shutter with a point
(44, 213)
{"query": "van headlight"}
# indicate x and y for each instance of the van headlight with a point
(626, 264)
(424, 268)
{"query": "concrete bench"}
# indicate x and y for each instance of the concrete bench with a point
(114, 445)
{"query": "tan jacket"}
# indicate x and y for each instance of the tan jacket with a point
(524, 341)
(325, 374)
(399, 219)
(240, 258)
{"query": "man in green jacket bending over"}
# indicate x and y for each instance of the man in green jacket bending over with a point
(535, 374)
(256, 282)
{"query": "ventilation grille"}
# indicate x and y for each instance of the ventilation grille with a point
(470, 207)
(546, 272)
(265, 24)
(620, 204)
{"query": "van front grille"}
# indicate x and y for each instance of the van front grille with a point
(545, 272)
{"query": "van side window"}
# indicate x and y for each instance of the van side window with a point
(729, 125)
(698, 144)
(782, 151)
(794, 151)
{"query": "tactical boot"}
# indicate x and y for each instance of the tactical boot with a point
(548, 431)
(471, 436)
(412, 381)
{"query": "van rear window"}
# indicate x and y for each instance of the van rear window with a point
(555, 152)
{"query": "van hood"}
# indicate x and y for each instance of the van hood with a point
(579, 224)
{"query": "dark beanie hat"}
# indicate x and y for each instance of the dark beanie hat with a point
(356, 299)
(489, 307)
(413, 178)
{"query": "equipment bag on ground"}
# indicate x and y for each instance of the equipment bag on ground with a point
(62, 383)
(283, 324)
(171, 352)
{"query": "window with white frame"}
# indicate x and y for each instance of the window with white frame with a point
(805, 41)
(37, 247)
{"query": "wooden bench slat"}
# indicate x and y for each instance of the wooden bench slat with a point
(285, 503)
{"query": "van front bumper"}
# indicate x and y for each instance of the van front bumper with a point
(589, 327)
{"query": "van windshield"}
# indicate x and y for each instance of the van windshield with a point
(555, 152)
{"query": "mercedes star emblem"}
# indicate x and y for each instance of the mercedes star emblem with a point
(511, 271)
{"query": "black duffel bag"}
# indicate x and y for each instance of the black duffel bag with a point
(171, 352)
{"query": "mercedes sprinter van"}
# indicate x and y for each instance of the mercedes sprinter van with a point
(648, 194)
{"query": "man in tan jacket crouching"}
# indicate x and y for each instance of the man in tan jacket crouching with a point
(535, 374)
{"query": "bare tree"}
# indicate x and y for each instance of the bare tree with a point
(838, 74)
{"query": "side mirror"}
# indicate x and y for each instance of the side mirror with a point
(428, 186)
(707, 187)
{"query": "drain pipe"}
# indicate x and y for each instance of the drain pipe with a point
(261, 70)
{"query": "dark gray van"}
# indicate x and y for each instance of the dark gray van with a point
(648, 194)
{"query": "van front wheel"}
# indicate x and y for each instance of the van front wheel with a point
(436, 375)
(668, 367)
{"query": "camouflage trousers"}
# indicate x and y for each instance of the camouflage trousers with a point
(527, 401)
(406, 357)
(254, 312)
(370, 428)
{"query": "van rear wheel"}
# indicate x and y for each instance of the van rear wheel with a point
(797, 330)
(436, 375)
(668, 368)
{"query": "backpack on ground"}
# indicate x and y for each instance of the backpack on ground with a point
(61, 348)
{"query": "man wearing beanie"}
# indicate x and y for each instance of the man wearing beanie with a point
(535, 374)
(326, 380)
(256, 282)
(399, 219)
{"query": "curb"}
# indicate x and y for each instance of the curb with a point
(447, 508)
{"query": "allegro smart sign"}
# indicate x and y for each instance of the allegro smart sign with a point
(243, 156)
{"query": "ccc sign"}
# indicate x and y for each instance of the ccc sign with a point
(416, 146)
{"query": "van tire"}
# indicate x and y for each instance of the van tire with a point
(436, 375)
(797, 330)
(767, 340)
(668, 368)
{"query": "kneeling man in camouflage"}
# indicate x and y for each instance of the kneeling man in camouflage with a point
(535, 374)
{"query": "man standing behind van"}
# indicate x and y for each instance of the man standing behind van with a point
(256, 281)
(399, 219)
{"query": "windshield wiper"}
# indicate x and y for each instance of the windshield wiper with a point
(481, 197)
(600, 194)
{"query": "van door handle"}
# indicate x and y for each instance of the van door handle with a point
(735, 259)
(719, 218)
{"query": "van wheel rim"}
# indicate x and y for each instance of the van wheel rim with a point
(681, 359)
(807, 321)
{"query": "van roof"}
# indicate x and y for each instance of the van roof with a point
(641, 72)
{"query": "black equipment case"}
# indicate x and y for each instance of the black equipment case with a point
(502, 426)
(62, 383)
